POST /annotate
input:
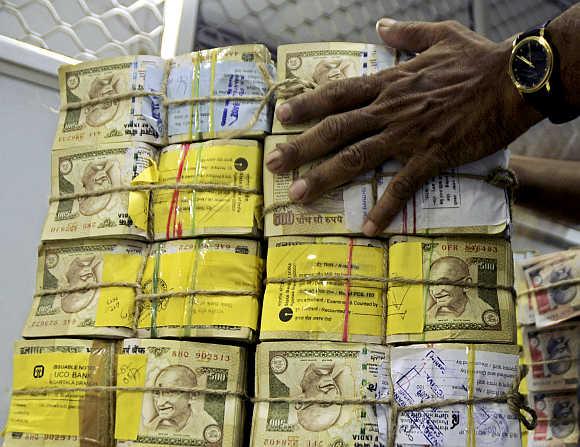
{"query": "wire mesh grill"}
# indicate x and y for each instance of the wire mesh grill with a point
(276, 22)
(85, 29)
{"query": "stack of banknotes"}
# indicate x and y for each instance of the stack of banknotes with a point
(128, 393)
(151, 282)
(548, 289)
(152, 231)
(294, 379)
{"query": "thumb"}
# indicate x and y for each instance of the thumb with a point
(410, 36)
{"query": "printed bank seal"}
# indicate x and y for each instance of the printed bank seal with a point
(212, 434)
(490, 318)
(278, 364)
(294, 62)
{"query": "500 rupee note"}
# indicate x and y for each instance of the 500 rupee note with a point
(322, 62)
(95, 312)
(94, 169)
(138, 118)
(323, 370)
(171, 417)
(447, 312)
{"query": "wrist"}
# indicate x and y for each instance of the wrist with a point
(563, 34)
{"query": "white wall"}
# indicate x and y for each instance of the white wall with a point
(27, 127)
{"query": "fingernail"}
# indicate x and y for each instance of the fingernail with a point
(297, 190)
(283, 112)
(274, 160)
(385, 22)
(370, 229)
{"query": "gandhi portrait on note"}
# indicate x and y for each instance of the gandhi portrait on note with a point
(82, 271)
(450, 302)
(103, 112)
(178, 411)
(333, 69)
(99, 176)
(320, 381)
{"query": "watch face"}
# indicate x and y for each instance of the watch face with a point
(531, 63)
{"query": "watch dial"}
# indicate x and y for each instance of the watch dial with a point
(530, 64)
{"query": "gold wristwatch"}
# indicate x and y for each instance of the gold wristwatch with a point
(534, 70)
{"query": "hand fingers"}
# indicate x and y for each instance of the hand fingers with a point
(401, 188)
(333, 132)
(413, 36)
(333, 97)
(350, 162)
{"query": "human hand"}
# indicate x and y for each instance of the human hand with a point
(452, 104)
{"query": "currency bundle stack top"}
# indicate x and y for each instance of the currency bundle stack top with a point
(316, 64)
(72, 393)
(548, 310)
(98, 174)
(205, 87)
(335, 288)
(231, 203)
(308, 294)
(72, 294)
(202, 288)
(321, 393)
(460, 201)
(209, 410)
(51, 405)
(111, 101)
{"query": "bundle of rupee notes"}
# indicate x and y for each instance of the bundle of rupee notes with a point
(181, 299)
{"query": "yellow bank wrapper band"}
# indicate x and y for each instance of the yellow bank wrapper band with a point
(350, 309)
(234, 166)
(201, 283)
(56, 392)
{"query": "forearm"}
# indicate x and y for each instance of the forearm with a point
(564, 32)
(551, 186)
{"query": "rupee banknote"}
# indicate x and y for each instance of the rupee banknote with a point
(458, 201)
(181, 214)
(319, 63)
(89, 170)
(552, 355)
(558, 415)
(295, 308)
(172, 417)
(448, 312)
(556, 303)
(441, 371)
(61, 418)
(216, 265)
(228, 72)
(525, 309)
(137, 118)
(319, 370)
(94, 312)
